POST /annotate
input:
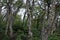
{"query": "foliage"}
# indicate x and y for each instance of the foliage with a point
(20, 27)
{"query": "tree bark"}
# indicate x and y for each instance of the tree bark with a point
(29, 20)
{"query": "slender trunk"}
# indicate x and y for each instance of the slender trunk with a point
(44, 31)
(52, 19)
(9, 20)
(29, 20)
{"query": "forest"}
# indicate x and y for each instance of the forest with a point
(29, 19)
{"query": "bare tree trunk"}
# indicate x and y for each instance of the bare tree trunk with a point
(9, 20)
(52, 18)
(29, 20)
(44, 31)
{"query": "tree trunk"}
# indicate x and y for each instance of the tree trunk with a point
(29, 20)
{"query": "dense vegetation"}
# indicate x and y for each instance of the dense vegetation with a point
(29, 20)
